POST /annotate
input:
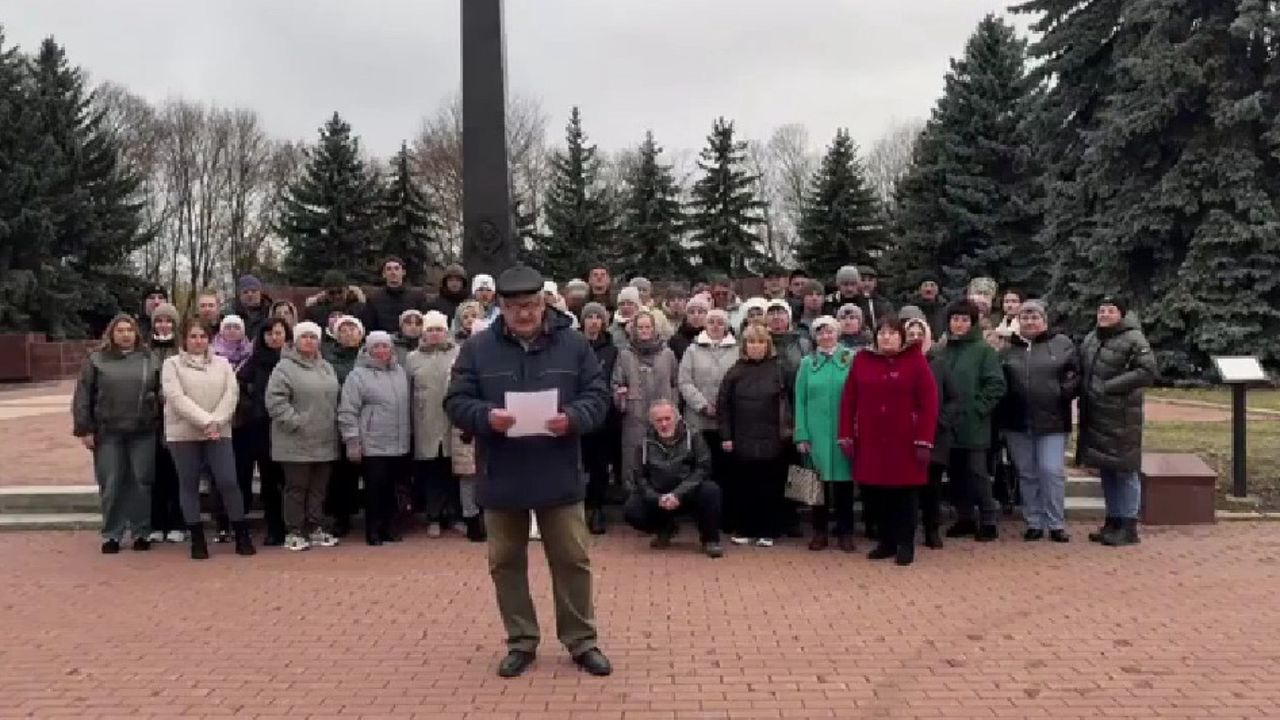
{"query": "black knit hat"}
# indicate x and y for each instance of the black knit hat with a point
(1120, 303)
(156, 290)
(963, 307)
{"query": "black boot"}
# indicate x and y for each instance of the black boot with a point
(342, 526)
(596, 522)
(1109, 524)
(963, 528)
(906, 554)
(475, 529)
(244, 542)
(1125, 533)
(882, 551)
(932, 538)
(199, 548)
(987, 533)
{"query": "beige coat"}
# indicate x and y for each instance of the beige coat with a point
(429, 372)
(199, 390)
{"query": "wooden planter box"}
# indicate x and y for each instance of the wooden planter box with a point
(1177, 489)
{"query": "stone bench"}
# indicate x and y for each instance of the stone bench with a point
(1177, 489)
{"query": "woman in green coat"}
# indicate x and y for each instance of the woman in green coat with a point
(819, 387)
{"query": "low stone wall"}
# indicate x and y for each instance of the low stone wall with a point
(31, 357)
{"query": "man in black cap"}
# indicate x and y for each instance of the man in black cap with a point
(338, 297)
(155, 297)
(385, 304)
(531, 348)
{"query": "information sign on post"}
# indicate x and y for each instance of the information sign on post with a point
(1239, 372)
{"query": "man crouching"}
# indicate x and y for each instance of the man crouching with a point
(672, 477)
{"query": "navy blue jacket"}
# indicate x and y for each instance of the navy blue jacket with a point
(528, 472)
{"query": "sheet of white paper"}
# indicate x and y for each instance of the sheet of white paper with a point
(532, 411)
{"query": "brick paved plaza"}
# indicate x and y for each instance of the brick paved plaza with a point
(1186, 625)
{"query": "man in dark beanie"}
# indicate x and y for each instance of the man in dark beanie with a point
(455, 287)
(337, 298)
(387, 303)
(529, 348)
(154, 297)
(251, 304)
(975, 369)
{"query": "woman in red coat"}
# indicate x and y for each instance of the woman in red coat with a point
(888, 416)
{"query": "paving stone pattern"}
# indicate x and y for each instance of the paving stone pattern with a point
(1184, 626)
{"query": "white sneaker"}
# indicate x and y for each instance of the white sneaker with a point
(433, 530)
(323, 539)
(739, 540)
(222, 536)
(764, 542)
(296, 543)
(156, 537)
(175, 536)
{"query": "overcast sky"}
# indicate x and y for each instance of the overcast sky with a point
(667, 65)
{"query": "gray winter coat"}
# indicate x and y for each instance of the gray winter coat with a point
(1043, 377)
(117, 393)
(701, 371)
(648, 378)
(429, 370)
(375, 408)
(1116, 364)
(302, 401)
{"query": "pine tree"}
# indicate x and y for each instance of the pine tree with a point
(66, 206)
(967, 207)
(580, 222)
(723, 209)
(649, 238)
(329, 215)
(409, 224)
(842, 221)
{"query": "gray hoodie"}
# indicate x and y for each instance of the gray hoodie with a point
(302, 400)
(375, 408)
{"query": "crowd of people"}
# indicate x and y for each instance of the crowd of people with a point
(709, 402)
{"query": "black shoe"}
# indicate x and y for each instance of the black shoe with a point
(660, 541)
(244, 542)
(1124, 534)
(373, 540)
(341, 527)
(110, 547)
(713, 549)
(932, 538)
(846, 543)
(987, 533)
(594, 662)
(1109, 524)
(882, 551)
(905, 555)
(392, 537)
(963, 528)
(273, 540)
(819, 542)
(141, 544)
(475, 529)
(199, 548)
(1059, 536)
(596, 522)
(515, 663)
(1032, 535)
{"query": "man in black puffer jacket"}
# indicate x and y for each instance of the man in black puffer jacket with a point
(674, 476)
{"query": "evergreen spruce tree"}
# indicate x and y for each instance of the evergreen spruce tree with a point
(723, 209)
(329, 215)
(409, 224)
(578, 211)
(649, 238)
(842, 221)
(967, 207)
(66, 209)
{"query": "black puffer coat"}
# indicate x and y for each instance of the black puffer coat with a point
(1043, 377)
(383, 309)
(753, 409)
(1117, 364)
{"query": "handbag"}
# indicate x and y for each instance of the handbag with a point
(803, 485)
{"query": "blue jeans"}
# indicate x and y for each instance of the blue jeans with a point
(1122, 491)
(124, 465)
(1040, 461)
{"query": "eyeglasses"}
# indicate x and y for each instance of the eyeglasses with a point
(413, 321)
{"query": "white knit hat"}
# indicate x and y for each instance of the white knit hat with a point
(825, 321)
(379, 337)
(231, 320)
(779, 304)
(755, 303)
(629, 293)
(411, 312)
(435, 319)
(307, 328)
(482, 282)
(348, 320)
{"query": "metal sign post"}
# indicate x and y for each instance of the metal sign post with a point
(1239, 372)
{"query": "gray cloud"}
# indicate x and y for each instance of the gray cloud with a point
(669, 65)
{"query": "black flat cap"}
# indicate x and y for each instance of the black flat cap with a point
(867, 271)
(519, 280)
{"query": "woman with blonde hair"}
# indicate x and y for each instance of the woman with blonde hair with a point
(646, 372)
(115, 410)
(753, 412)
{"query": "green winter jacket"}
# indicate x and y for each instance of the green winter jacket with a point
(975, 369)
(117, 393)
(1117, 364)
(343, 360)
(819, 388)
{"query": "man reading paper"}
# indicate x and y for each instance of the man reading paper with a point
(529, 348)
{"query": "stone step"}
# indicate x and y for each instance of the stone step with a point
(61, 499)
(1085, 508)
(72, 521)
(1084, 487)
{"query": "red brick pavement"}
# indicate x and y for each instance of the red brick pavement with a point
(1184, 626)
